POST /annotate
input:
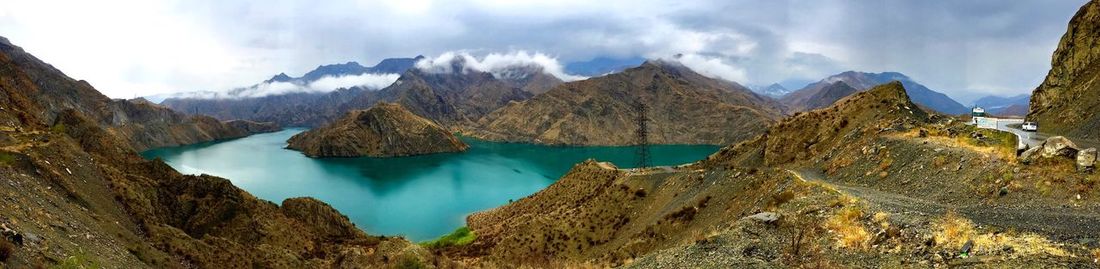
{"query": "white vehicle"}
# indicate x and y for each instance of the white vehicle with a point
(1030, 126)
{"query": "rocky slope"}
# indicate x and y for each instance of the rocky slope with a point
(684, 108)
(873, 181)
(801, 99)
(78, 195)
(1067, 102)
(384, 130)
(142, 124)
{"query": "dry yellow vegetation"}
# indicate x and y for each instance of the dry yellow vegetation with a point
(952, 231)
(848, 228)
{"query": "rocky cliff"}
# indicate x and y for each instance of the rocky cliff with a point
(1068, 101)
(684, 107)
(384, 130)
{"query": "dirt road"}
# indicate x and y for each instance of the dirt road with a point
(1055, 222)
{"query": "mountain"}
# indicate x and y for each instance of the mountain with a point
(531, 79)
(1068, 101)
(292, 108)
(453, 99)
(799, 100)
(384, 130)
(600, 66)
(684, 108)
(77, 194)
(386, 66)
(142, 124)
(774, 90)
(829, 94)
(460, 95)
(1005, 106)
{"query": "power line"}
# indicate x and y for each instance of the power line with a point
(642, 135)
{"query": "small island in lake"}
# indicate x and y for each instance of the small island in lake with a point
(384, 130)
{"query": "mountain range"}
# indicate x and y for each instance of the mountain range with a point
(1005, 106)
(775, 90)
(684, 107)
(812, 96)
(600, 66)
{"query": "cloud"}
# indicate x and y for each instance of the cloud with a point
(501, 65)
(370, 81)
(322, 85)
(959, 47)
(712, 66)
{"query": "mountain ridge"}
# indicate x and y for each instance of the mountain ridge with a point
(797, 101)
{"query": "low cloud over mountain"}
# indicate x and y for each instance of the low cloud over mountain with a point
(500, 65)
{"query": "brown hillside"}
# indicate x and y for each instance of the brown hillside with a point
(384, 130)
(683, 108)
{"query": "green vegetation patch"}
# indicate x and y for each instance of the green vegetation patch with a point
(58, 128)
(77, 261)
(460, 237)
(6, 158)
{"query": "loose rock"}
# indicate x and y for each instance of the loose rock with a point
(1086, 160)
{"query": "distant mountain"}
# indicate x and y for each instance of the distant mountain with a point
(602, 65)
(386, 66)
(774, 90)
(453, 99)
(532, 79)
(289, 108)
(1068, 101)
(684, 108)
(829, 94)
(802, 99)
(1005, 106)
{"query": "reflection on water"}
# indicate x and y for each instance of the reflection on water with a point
(420, 197)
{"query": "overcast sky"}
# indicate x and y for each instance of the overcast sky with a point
(132, 48)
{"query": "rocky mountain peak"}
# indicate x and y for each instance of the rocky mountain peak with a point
(1066, 101)
(281, 77)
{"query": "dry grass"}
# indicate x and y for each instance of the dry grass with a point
(848, 228)
(952, 231)
(1004, 147)
(1096, 255)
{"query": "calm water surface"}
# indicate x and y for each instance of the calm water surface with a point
(420, 197)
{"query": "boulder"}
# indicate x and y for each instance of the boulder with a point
(1030, 155)
(1059, 146)
(1086, 160)
(764, 217)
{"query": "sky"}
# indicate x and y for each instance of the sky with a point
(966, 49)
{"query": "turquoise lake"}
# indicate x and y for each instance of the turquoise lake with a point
(419, 197)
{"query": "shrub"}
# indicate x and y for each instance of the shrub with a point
(460, 237)
(849, 230)
(953, 231)
(6, 158)
(58, 128)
